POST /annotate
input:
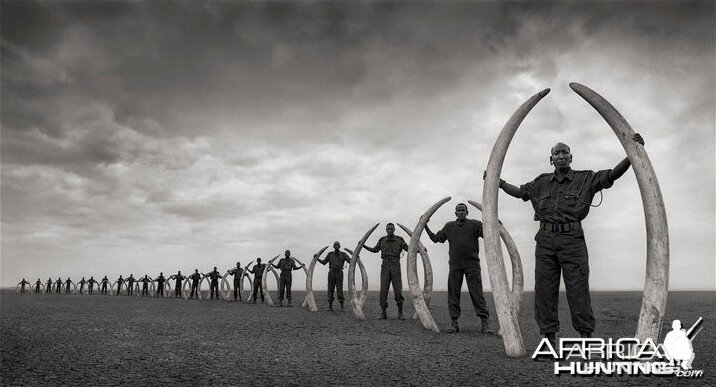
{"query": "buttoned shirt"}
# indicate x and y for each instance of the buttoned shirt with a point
(390, 247)
(336, 260)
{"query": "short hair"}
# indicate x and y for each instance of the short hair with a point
(389, 224)
(461, 204)
(559, 143)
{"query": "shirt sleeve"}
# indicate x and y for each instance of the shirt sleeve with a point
(528, 190)
(442, 234)
(600, 180)
(478, 230)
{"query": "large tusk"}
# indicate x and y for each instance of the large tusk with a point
(518, 277)
(267, 294)
(357, 300)
(186, 293)
(251, 286)
(427, 270)
(224, 288)
(509, 325)
(310, 299)
(421, 307)
(656, 285)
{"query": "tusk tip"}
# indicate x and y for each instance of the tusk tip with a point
(544, 92)
(575, 86)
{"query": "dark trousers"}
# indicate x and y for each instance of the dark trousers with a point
(160, 289)
(177, 290)
(194, 289)
(37, 288)
(130, 289)
(284, 285)
(58, 289)
(104, 289)
(214, 288)
(237, 290)
(145, 290)
(335, 283)
(89, 289)
(390, 274)
(257, 288)
(566, 254)
(119, 288)
(67, 289)
(474, 286)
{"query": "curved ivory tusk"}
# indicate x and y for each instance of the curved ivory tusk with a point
(360, 296)
(251, 286)
(427, 270)
(136, 289)
(167, 289)
(153, 289)
(310, 299)
(656, 285)
(357, 299)
(421, 307)
(509, 325)
(198, 288)
(518, 277)
(224, 288)
(267, 294)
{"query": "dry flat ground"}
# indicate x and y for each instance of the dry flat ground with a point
(58, 339)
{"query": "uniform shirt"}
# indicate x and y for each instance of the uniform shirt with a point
(104, 280)
(258, 270)
(462, 237)
(144, 280)
(195, 277)
(179, 278)
(82, 282)
(287, 264)
(390, 248)
(566, 200)
(336, 260)
(49, 283)
(120, 280)
(237, 273)
(92, 282)
(130, 280)
(160, 280)
(38, 283)
(213, 275)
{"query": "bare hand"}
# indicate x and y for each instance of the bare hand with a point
(637, 137)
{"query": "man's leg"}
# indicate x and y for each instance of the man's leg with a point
(473, 278)
(454, 287)
(397, 289)
(281, 288)
(384, 287)
(339, 287)
(289, 282)
(255, 292)
(547, 272)
(193, 290)
(574, 260)
(236, 291)
(331, 288)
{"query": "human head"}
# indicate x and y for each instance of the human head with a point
(288, 253)
(390, 228)
(238, 264)
(461, 211)
(196, 270)
(161, 273)
(179, 272)
(214, 268)
(560, 156)
(336, 245)
(676, 325)
(258, 261)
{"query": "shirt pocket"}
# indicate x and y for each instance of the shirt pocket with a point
(545, 202)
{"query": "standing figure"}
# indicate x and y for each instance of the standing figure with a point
(22, 285)
(390, 247)
(160, 284)
(105, 283)
(178, 278)
(82, 284)
(91, 282)
(287, 264)
(67, 285)
(214, 282)
(145, 285)
(237, 272)
(130, 284)
(120, 281)
(58, 286)
(37, 286)
(195, 278)
(336, 259)
(561, 200)
(48, 287)
(258, 272)
(464, 261)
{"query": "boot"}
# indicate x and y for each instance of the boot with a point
(485, 327)
(400, 312)
(330, 307)
(454, 327)
(288, 305)
(341, 304)
(384, 314)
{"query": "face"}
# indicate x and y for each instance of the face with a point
(561, 156)
(258, 260)
(214, 268)
(390, 229)
(238, 264)
(336, 246)
(288, 253)
(461, 212)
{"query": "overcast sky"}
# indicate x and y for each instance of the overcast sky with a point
(143, 137)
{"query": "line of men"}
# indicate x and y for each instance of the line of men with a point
(561, 200)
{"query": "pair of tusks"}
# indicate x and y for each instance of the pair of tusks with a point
(358, 297)
(310, 299)
(653, 305)
(151, 289)
(226, 290)
(264, 276)
(251, 283)
(18, 289)
(123, 286)
(427, 271)
(186, 288)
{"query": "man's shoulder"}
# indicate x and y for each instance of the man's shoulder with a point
(475, 221)
(544, 176)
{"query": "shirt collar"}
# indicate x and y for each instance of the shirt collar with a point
(569, 176)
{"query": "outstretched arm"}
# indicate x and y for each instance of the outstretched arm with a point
(323, 261)
(509, 189)
(431, 234)
(375, 249)
(624, 165)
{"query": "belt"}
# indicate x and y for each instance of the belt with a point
(560, 227)
(336, 269)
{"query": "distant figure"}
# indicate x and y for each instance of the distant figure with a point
(258, 272)
(82, 284)
(160, 284)
(37, 286)
(67, 285)
(48, 287)
(287, 264)
(390, 247)
(195, 278)
(238, 272)
(336, 259)
(130, 284)
(145, 285)
(91, 282)
(214, 282)
(22, 285)
(678, 346)
(120, 281)
(58, 286)
(178, 278)
(105, 283)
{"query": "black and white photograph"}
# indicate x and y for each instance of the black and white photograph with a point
(370, 193)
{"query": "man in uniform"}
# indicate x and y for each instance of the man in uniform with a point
(258, 272)
(22, 285)
(92, 281)
(390, 247)
(238, 272)
(37, 286)
(195, 278)
(178, 278)
(336, 259)
(82, 284)
(213, 283)
(561, 200)
(120, 281)
(145, 285)
(462, 235)
(130, 284)
(105, 282)
(160, 284)
(286, 264)
(67, 285)
(58, 286)
(48, 287)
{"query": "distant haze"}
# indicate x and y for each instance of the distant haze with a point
(140, 137)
